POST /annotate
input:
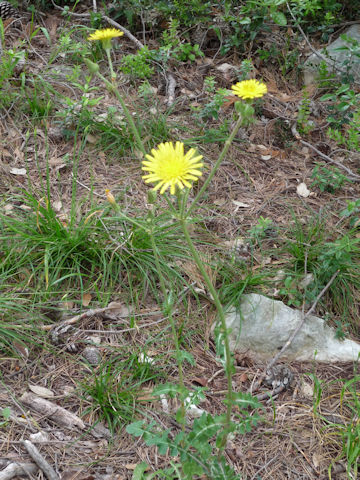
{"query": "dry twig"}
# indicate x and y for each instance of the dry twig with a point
(52, 411)
(17, 470)
(171, 90)
(355, 176)
(108, 19)
(40, 460)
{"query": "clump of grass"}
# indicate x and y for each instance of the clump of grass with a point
(84, 253)
(346, 432)
(115, 385)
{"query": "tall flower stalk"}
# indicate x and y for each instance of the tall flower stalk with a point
(169, 167)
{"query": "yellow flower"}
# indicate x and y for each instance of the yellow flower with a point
(105, 34)
(249, 89)
(170, 167)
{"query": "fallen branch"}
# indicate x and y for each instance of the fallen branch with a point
(354, 176)
(40, 461)
(77, 318)
(112, 22)
(171, 85)
(18, 470)
(297, 135)
(53, 412)
(318, 54)
(293, 335)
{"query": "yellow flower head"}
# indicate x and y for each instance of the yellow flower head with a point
(105, 34)
(249, 89)
(169, 166)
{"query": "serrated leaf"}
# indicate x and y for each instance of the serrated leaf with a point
(184, 355)
(135, 428)
(139, 471)
(167, 389)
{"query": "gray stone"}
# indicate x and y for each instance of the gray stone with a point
(261, 326)
(334, 57)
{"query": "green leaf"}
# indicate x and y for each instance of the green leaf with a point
(167, 389)
(328, 96)
(184, 355)
(6, 412)
(139, 471)
(279, 18)
(135, 428)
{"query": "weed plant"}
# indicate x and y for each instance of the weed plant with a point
(312, 247)
(347, 430)
(169, 167)
(115, 385)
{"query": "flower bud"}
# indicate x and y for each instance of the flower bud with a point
(93, 67)
(151, 197)
(110, 197)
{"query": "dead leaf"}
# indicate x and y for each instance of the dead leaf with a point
(225, 67)
(41, 391)
(200, 381)
(57, 205)
(8, 208)
(317, 460)
(243, 378)
(51, 23)
(302, 190)
(18, 171)
(86, 299)
(220, 202)
(240, 204)
(91, 138)
(76, 475)
(21, 349)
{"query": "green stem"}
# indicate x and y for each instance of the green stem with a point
(219, 307)
(217, 164)
(108, 54)
(127, 114)
(168, 312)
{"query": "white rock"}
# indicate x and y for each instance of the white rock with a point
(264, 325)
(334, 57)
(225, 67)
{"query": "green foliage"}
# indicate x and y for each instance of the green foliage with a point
(211, 110)
(196, 449)
(5, 413)
(115, 385)
(311, 246)
(341, 105)
(186, 12)
(259, 231)
(173, 47)
(328, 179)
(350, 136)
(303, 123)
(352, 210)
(138, 65)
(8, 62)
(348, 429)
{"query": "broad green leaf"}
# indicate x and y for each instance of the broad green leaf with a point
(279, 18)
(139, 470)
